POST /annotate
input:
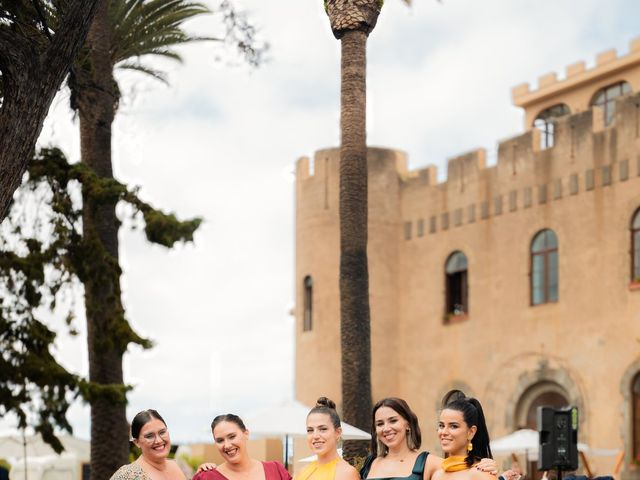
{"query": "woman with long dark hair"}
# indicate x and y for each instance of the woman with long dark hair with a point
(464, 438)
(395, 445)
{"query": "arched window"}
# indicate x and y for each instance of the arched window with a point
(307, 319)
(635, 247)
(546, 121)
(606, 98)
(635, 408)
(456, 285)
(544, 268)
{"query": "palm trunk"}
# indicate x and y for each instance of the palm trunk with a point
(355, 328)
(97, 100)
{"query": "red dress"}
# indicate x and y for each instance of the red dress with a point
(272, 471)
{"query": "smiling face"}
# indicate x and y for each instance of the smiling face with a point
(454, 433)
(154, 441)
(231, 441)
(322, 436)
(391, 428)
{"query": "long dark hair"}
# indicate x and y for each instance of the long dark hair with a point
(141, 419)
(414, 437)
(473, 415)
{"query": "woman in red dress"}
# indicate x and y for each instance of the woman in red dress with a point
(230, 437)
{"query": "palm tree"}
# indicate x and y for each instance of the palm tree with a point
(351, 22)
(123, 31)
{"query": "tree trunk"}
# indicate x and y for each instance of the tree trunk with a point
(97, 99)
(355, 329)
(32, 71)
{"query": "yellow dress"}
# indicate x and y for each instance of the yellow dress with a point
(313, 471)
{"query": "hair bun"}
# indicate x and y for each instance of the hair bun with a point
(453, 396)
(325, 402)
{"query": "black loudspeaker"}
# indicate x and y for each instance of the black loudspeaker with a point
(558, 431)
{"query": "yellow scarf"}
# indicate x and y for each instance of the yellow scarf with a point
(454, 463)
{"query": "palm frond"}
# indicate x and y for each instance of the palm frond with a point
(138, 67)
(151, 27)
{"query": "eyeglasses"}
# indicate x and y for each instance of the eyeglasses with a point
(151, 436)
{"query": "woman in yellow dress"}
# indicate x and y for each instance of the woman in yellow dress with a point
(323, 433)
(464, 438)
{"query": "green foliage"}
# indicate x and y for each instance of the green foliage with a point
(44, 256)
(193, 461)
(4, 464)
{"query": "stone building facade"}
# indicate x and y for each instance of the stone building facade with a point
(518, 283)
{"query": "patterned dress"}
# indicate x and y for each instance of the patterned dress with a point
(133, 471)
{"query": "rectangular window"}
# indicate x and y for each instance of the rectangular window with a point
(606, 175)
(484, 210)
(573, 184)
(624, 170)
(497, 205)
(513, 200)
(445, 221)
(472, 213)
(542, 194)
(527, 197)
(420, 227)
(432, 224)
(407, 230)
(588, 179)
(457, 217)
(557, 189)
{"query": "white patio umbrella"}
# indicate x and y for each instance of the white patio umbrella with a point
(12, 445)
(287, 420)
(523, 441)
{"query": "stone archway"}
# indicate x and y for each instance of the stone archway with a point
(540, 394)
(543, 384)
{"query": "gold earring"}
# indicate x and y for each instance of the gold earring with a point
(469, 446)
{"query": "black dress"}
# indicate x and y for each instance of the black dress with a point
(416, 474)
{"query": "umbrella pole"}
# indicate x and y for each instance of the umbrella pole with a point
(286, 452)
(24, 446)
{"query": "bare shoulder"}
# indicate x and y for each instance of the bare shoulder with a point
(438, 474)
(432, 466)
(344, 471)
(176, 470)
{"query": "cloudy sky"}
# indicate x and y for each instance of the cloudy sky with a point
(221, 143)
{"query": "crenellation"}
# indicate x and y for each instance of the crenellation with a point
(606, 57)
(547, 79)
(575, 69)
(302, 168)
(464, 168)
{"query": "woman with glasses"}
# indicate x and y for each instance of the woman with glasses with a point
(150, 434)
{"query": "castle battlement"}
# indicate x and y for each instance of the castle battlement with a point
(585, 156)
(579, 85)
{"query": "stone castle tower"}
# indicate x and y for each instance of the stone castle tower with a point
(518, 283)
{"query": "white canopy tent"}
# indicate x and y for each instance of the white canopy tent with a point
(524, 441)
(287, 420)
